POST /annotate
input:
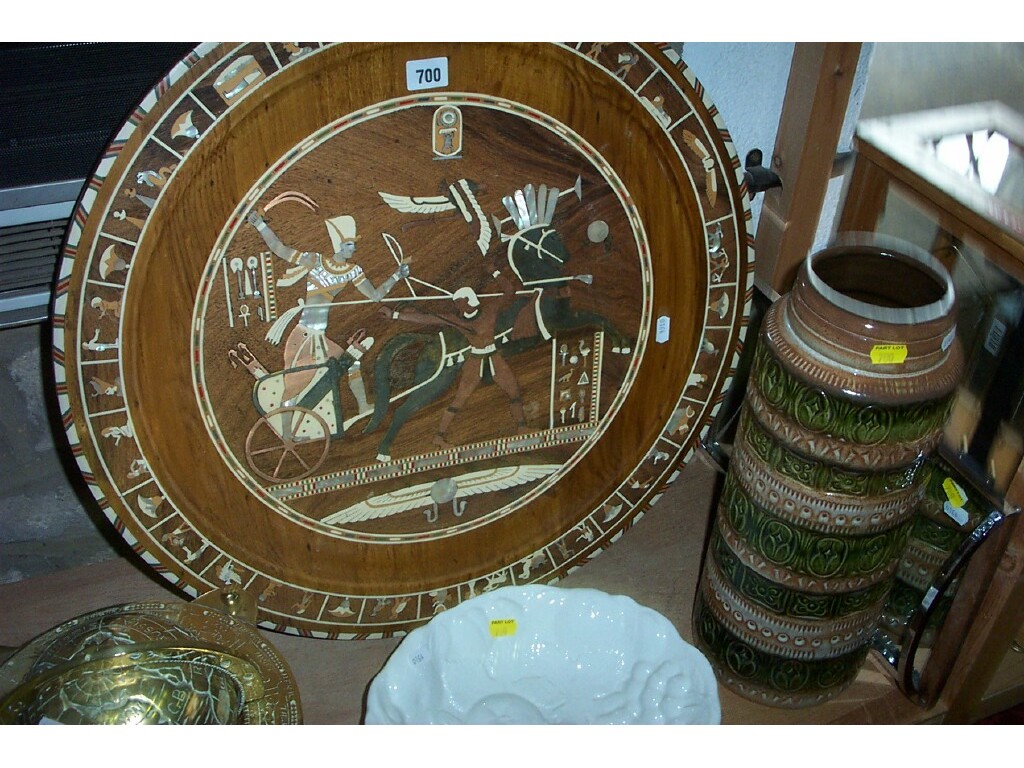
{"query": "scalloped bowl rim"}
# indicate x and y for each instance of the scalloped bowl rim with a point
(539, 654)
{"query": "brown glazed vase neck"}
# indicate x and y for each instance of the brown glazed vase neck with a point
(870, 318)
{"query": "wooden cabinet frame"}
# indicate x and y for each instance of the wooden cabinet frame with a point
(890, 154)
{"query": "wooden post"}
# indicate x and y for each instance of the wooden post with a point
(820, 81)
(864, 201)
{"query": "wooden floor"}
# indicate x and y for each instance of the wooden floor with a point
(656, 563)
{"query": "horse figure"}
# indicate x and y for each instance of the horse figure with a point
(538, 257)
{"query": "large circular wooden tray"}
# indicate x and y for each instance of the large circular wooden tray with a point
(367, 329)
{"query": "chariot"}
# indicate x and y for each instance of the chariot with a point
(290, 439)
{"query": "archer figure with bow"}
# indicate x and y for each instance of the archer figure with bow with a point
(478, 323)
(326, 277)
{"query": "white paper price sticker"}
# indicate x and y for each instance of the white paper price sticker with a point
(421, 74)
(662, 329)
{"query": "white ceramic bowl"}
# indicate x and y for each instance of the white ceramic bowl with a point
(537, 654)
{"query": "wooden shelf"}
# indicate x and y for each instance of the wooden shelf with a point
(1007, 687)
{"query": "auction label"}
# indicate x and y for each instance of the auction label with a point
(503, 627)
(888, 354)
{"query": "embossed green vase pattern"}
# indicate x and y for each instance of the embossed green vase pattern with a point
(850, 385)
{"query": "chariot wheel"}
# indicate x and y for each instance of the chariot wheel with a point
(287, 443)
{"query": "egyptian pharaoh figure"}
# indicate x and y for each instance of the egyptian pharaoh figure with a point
(326, 277)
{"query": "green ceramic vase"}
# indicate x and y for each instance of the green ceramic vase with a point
(851, 383)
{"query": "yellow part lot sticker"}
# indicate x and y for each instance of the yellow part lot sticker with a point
(954, 492)
(956, 498)
(888, 354)
(503, 627)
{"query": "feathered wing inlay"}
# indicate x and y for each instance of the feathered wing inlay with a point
(439, 491)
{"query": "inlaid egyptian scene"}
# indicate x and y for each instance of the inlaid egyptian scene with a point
(421, 344)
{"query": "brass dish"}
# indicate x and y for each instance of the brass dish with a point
(144, 663)
(153, 686)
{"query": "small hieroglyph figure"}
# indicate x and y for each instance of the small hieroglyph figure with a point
(138, 468)
(344, 608)
(191, 556)
(303, 605)
(148, 504)
(529, 563)
(684, 415)
(101, 387)
(657, 455)
(707, 162)
(295, 51)
(563, 549)
(720, 306)
(696, 380)
(116, 433)
(440, 599)
(656, 107)
(585, 533)
(95, 345)
(396, 604)
(495, 580)
(177, 538)
(106, 307)
(268, 592)
(237, 77)
(111, 262)
(228, 575)
(155, 179)
(184, 127)
(718, 258)
(626, 63)
(611, 512)
(135, 221)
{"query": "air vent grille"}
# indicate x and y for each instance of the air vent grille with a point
(28, 254)
(28, 262)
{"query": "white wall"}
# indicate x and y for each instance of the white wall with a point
(747, 82)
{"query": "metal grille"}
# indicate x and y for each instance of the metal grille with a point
(28, 258)
(61, 103)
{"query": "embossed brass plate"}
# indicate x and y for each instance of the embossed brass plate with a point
(366, 346)
(149, 663)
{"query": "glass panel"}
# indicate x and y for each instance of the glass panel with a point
(987, 424)
(987, 159)
(983, 436)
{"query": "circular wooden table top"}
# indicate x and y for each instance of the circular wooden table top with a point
(368, 329)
